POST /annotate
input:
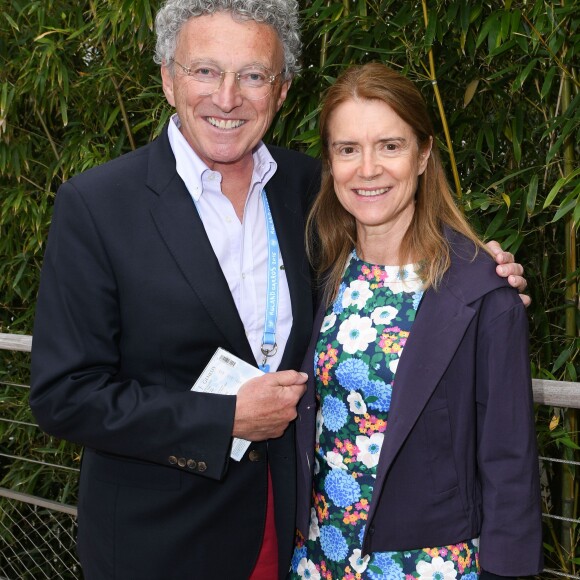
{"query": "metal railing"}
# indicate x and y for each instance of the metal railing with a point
(38, 535)
(39, 538)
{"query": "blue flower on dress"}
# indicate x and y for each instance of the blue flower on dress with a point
(417, 299)
(352, 374)
(470, 576)
(333, 543)
(337, 307)
(382, 391)
(334, 413)
(341, 488)
(298, 554)
(390, 570)
(361, 535)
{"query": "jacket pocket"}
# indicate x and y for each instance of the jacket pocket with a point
(439, 442)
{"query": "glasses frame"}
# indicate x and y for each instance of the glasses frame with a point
(271, 79)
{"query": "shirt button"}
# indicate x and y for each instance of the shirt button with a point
(255, 455)
(191, 464)
(201, 466)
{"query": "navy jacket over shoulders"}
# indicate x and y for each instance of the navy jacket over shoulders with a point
(132, 305)
(459, 458)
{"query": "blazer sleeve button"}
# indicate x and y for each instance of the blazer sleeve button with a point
(181, 462)
(201, 466)
(254, 455)
(172, 459)
(191, 464)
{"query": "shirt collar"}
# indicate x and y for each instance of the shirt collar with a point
(191, 168)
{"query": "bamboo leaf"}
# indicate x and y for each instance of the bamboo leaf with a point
(63, 110)
(431, 29)
(495, 224)
(547, 84)
(561, 360)
(490, 26)
(470, 92)
(532, 195)
(112, 117)
(516, 17)
(562, 182)
(576, 215)
(523, 75)
(11, 21)
(564, 210)
(517, 134)
(506, 20)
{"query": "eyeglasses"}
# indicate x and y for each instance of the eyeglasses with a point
(255, 82)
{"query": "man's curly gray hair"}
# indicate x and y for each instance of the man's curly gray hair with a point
(281, 15)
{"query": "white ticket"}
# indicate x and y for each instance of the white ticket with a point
(224, 375)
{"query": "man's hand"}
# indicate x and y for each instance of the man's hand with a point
(508, 268)
(266, 405)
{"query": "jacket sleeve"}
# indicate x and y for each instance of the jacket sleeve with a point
(511, 532)
(79, 391)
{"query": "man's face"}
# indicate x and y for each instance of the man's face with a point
(224, 127)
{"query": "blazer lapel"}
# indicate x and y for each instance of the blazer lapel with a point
(182, 230)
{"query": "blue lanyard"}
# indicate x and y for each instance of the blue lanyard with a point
(269, 346)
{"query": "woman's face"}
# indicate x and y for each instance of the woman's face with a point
(375, 162)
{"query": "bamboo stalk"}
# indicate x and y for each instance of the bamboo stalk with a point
(433, 78)
(324, 46)
(118, 93)
(569, 480)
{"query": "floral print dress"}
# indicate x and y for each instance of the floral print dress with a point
(356, 357)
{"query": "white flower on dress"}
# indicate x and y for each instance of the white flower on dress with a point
(307, 570)
(359, 564)
(384, 314)
(437, 570)
(369, 448)
(393, 364)
(407, 282)
(356, 333)
(316, 466)
(319, 424)
(313, 530)
(328, 322)
(357, 403)
(335, 460)
(357, 294)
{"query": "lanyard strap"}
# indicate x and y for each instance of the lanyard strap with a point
(269, 346)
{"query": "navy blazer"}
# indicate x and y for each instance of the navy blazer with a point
(459, 458)
(132, 305)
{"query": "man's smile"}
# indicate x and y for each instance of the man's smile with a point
(225, 123)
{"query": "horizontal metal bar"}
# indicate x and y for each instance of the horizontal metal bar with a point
(45, 463)
(37, 501)
(20, 342)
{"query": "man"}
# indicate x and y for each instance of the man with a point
(156, 259)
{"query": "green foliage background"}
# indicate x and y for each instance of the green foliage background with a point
(78, 87)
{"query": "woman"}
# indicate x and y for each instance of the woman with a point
(417, 454)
